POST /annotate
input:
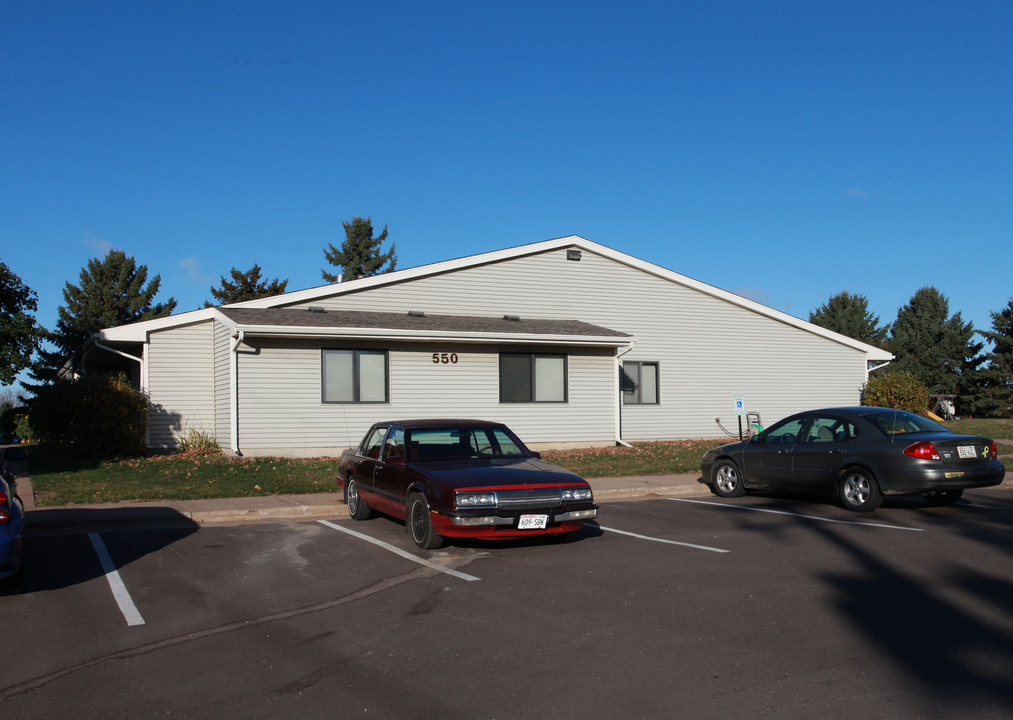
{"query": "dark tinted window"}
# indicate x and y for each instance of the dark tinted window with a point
(897, 422)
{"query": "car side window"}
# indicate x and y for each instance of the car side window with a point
(784, 432)
(371, 448)
(394, 447)
(825, 430)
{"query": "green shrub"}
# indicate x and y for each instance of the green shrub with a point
(198, 443)
(96, 416)
(22, 426)
(899, 390)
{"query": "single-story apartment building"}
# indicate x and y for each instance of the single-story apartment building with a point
(569, 342)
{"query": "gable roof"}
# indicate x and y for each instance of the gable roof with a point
(572, 241)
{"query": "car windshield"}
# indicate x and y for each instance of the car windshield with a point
(896, 422)
(457, 443)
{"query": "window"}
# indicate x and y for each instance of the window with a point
(525, 378)
(354, 376)
(829, 429)
(639, 381)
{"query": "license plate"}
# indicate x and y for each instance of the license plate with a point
(532, 522)
(966, 451)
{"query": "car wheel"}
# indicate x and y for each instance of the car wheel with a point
(943, 497)
(725, 480)
(420, 524)
(356, 508)
(859, 490)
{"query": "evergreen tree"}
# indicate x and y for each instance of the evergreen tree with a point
(997, 376)
(112, 291)
(360, 254)
(246, 286)
(938, 349)
(849, 315)
(19, 333)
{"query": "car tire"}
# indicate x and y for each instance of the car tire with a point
(943, 497)
(420, 524)
(356, 507)
(859, 491)
(726, 481)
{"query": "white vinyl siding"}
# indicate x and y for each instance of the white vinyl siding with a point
(710, 349)
(280, 407)
(223, 385)
(181, 383)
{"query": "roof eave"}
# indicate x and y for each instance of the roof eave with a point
(429, 336)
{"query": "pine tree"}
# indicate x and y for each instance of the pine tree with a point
(19, 333)
(360, 254)
(997, 376)
(246, 286)
(938, 349)
(112, 291)
(849, 315)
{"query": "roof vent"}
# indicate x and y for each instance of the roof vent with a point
(512, 318)
(573, 254)
(317, 309)
(416, 313)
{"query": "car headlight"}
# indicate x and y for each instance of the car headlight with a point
(476, 500)
(577, 494)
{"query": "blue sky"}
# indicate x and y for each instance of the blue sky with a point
(781, 150)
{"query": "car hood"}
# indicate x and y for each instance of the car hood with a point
(497, 472)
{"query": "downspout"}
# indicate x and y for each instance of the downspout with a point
(237, 340)
(619, 397)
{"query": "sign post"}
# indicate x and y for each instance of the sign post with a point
(739, 399)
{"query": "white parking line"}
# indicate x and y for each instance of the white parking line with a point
(808, 517)
(662, 540)
(402, 553)
(120, 594)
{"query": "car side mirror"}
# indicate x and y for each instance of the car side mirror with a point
(535, 454)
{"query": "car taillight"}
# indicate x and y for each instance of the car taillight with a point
(3, 507)
(994, 449)
(923, 451)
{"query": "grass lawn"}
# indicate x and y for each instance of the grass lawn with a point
(61, 481)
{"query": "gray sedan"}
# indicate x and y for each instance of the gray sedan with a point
(860, 453)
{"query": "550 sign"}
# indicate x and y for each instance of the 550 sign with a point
(444, 358)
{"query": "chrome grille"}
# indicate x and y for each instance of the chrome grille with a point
(519, 499)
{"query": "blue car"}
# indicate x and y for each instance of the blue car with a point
(12, 528)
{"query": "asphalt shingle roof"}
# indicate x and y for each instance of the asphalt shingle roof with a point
(305, 318)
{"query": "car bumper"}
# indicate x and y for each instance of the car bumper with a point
(505, 525)
(927, 478)
(11, 546)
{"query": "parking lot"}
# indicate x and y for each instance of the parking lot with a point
(669, 607)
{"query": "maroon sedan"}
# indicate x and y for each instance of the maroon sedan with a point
(461, 478)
